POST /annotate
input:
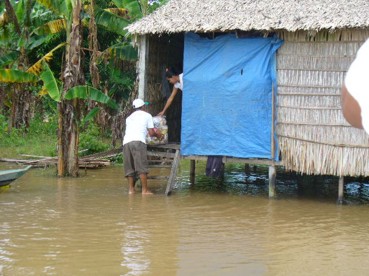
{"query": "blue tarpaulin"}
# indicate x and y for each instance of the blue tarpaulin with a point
(227, 96)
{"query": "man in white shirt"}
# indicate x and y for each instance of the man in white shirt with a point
(138, 124)
(355, 91)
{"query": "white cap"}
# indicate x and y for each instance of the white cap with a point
(137, 103)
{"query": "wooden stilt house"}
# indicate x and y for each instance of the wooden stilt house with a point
(320, 40)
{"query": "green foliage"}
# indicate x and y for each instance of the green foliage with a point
(50, 84)
(122, 51)
(10, 75)
(89, 93)
(40, 139)
(111, 22)
(8, 58)
(91, 140)
(59, 7)
(121, 82)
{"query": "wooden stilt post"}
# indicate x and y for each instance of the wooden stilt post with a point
(272, 177)
(272, 171)
(142, 68)
(173, 173)
(192, 171)
(340, 190)
(247, 168)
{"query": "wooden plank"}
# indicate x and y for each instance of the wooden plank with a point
(158, 177)
(237, 160)
(160, 154)
(161, 161)
(160, 166)
(173, 173)
(165, 146)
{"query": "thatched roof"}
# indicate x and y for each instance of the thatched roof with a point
(263, 15)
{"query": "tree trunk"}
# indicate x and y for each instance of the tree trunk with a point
(22, 102)
(22, 98)
(68, 134)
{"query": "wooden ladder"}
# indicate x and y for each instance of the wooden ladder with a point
(165, 156)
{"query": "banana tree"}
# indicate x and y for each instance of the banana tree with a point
(69, 109)
(17, 22)
(71, 98)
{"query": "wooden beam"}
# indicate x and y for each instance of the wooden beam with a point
(237, 160)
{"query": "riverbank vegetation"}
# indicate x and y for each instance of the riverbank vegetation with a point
(40, 139)
(67, 74)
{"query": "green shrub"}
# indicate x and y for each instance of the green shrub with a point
(92, 141)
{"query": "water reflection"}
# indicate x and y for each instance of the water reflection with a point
(253, 181)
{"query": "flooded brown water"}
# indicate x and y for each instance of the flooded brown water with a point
(91, 226)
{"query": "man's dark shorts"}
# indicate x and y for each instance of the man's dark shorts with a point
(135, 158)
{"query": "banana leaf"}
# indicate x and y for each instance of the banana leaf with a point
(59, 7)
(90, 115)
(52, 27)
(133, 7)
(123, 52)
(16, 76)
(50, 84)
(111, 22)
(8, 58)
(89, 93)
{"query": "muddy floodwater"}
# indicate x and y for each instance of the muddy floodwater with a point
(91, 226)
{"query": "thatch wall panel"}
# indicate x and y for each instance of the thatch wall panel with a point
(314, 137)
(306, 90)
(317, 102)
(317, 62)
(326, 134)
(314, 116)
(340, 35)
(310, 78)
(337, 49)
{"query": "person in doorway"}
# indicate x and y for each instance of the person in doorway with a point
(355, 90)
(175, 78)
(138, 124)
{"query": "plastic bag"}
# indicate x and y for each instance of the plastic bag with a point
(160, 124)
